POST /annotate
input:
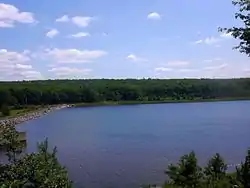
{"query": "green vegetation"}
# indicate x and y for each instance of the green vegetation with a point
(13, 111)
(188, 174)
(130, 91)
(35, 170)
(5, 110)
(242, 33)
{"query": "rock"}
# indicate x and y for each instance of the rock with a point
(31, 115)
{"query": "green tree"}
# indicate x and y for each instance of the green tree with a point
(243, 172)
(242, 33)
(35, 170)
(9, 139)
(186, 173)
(215, 171)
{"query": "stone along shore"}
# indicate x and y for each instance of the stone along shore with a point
(31, 115)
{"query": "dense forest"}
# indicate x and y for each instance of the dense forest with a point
(87, 91)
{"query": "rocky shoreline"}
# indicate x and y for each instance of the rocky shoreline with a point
(31, 115)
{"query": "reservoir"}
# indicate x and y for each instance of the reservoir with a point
(126, 146)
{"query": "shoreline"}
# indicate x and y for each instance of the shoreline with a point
(15, 120)
(117, 103)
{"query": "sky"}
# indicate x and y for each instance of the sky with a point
(77, 39)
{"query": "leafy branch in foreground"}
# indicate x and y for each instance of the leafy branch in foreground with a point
(242, 33)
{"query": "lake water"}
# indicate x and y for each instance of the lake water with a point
(126, 146)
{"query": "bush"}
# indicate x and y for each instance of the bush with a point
(5, 110)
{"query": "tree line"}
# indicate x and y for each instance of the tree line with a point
(87, 91)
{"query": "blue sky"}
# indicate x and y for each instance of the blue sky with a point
(118, 39)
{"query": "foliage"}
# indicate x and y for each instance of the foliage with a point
(187, 173)
(35, 170)
(215, 171)
(5, 110)
(9, 139)
(242, 33)
(243, 172)
(46, 92)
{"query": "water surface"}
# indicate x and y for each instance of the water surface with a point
(125, 146)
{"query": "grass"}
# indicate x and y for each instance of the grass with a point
(19, 112)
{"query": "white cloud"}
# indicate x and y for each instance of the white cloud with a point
(154, 16)
(67, 71)
(73, 55)
(226, 35)
(9, 57)
(218, 67)
(10, 15)
(17, 66)
(163, 69)
(52, 33)
(80, 35)
(188, 70)
(198, 42)
(134, 58)
(213, 60)
(64, 18)
(178, 63)
(32, 75)
(211, 40)
(22, 66)
(246, 70)
(208, 40)
(26, 52)
(214, 40)
(81, 21)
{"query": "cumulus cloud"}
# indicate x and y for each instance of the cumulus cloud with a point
(9, 57)
(80, 21)
(17, 66)
(64, 18)
(10, 15)
(52, 33)
(134, 58)
(154, 16)
(80, 35)
(73, 55)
